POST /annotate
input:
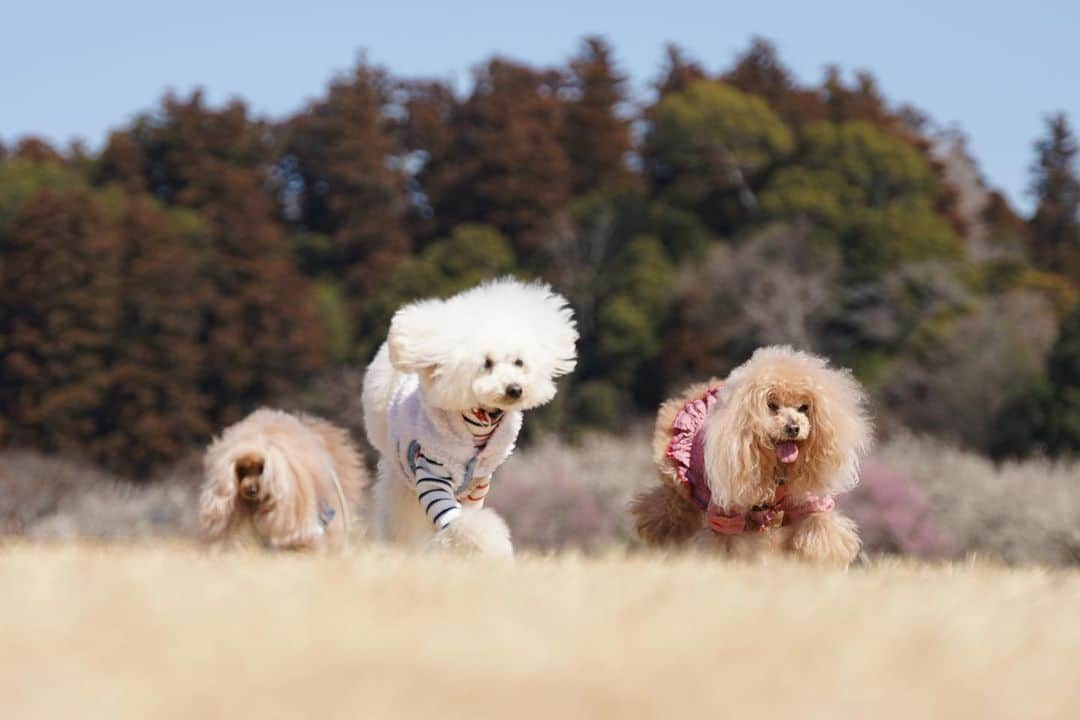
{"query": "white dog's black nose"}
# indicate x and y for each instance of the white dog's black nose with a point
(792, 430)
(513, 391)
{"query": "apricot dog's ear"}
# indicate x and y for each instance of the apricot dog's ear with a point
(732, 445)
(218, 498)
(842, 432)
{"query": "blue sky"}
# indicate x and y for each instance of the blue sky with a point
(992, 69)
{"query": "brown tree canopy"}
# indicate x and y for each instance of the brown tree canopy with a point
(598, 140)
(336, 169)
(58, 290)
(504, 164)
(207, 261)
(259, 329)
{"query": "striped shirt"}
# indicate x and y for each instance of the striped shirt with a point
(435, 486)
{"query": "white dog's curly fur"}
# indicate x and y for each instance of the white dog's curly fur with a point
(497, 347)
(285, 481)
(784, 416)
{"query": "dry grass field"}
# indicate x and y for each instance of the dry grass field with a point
(168, 631)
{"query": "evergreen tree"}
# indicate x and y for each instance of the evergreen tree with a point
(708, 149)
(504, 165)
(1045, 415)
(759, 71)
(866, 191)
(337, 168)
(679, 72)
(59, 262)
(38, 151)
(597, 138)
(1055, 228)
(153, 409)
(259, 326)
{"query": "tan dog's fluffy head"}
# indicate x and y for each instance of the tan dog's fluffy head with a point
(272, 467)
(499, 345)
(787, 412)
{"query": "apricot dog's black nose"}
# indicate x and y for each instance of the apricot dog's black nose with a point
(792, 430)
(251, 491)
(513, 391)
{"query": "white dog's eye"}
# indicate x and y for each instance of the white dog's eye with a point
(804, 408)
(519, 363)
(773, 407)
(488, 363)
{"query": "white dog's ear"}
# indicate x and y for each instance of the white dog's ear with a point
(562, 329)
(415, 338)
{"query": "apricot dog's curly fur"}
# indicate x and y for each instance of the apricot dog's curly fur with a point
(286, 481)
(778, 399)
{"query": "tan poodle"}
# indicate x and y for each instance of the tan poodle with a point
(287, 481)
(751, 465)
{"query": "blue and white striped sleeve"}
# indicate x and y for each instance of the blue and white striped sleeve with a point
(435, 491)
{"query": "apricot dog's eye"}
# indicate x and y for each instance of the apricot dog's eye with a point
(488, 363)
(773, 407)
(804, 408)
(519, 363)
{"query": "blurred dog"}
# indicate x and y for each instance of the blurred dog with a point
(291, 481)
(443, 402)
(750, 465)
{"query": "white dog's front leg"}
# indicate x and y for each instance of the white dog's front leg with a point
(475, 532)
(399, 519)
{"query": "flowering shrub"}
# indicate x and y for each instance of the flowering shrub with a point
(917, 497)
(894, 514)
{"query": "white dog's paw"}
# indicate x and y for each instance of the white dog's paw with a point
(480, 532)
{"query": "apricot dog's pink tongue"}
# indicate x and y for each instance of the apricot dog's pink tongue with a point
(787, 452)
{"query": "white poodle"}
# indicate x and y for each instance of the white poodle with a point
(443, 402)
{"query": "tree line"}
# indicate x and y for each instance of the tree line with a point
(207, 260)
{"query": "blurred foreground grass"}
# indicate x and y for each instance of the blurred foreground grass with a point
(168, 631)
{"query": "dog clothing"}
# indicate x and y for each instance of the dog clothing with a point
(448, 457)
(686, 450)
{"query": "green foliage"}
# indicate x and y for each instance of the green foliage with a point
(599, 404)
(207, 260)
(712, 139)
(1055, 228)
(472, 253)
(631, 314)
(867, 191)
(1026, 423)
(1044, 415)
(630, 214)
(335, 318)
(19, 179)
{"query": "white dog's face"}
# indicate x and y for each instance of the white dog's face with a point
(497, 346)
(504, 381)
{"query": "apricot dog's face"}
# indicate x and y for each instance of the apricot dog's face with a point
(248, 476)
(787, 422)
